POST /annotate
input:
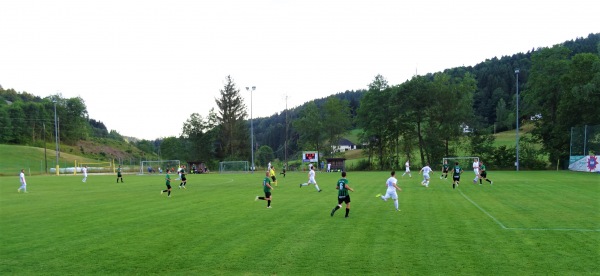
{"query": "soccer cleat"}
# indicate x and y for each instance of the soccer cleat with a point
(18, 190)
(378, 195)
(492, 183)
(333, 212)
(320, 191)
(179, 187)
(268, 207)
(256, 198)
(169, 196)
(300, 185)
(161, 192)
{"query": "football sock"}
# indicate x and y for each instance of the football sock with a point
(453, 185)
(261, 197)
(347, 211)
(317, 187)
(396, 204)
(480, 181)
(488, 180)
(268, 203)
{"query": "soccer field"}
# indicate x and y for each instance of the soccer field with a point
(526, 223)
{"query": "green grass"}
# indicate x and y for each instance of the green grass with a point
(526, 223)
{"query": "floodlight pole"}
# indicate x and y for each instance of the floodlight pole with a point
(517, 130)
(251, 127)
(56, 135)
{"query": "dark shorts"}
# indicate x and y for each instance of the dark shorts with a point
(456, 177)
(168, 186)
(445, 170)
(273, 178)
(118, 174)
(345, 199)
(483, 174)
(267, 194)
(183, 178)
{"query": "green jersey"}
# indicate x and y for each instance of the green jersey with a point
(482, 167)
(457, 170)
(265, 186)
(168, 179)
(342, 190)
(445, 167)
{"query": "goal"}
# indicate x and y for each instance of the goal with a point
(94, 167)
(233, 166)
(161, 166)
(463, 161)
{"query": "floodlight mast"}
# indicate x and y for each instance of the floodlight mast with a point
(251, 127)
(517, 130)
(56, 135)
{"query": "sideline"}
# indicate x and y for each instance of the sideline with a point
(527, 229)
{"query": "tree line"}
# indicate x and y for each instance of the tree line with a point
(422, 119)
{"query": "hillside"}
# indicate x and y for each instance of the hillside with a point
(16, 157)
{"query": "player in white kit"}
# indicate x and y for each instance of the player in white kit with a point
(426, 171)
(84, 170)
(311, 179)
(407, 170)
(476, 170)
(392, 187)
(23, 182)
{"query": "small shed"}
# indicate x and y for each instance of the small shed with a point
(337, 164)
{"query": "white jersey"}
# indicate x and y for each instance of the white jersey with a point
(311, 177)
(426, 170)
(391, 189)
(390, 183)
(84, 170)
(22, 178)
(407, 166)
(476, 167)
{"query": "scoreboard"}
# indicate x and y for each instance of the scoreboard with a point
(310, 156)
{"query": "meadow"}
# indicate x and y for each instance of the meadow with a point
(525, 223)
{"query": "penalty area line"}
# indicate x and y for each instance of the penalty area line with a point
(524, 229)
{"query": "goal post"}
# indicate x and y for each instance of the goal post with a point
(160, 166)
(234, 166)
(94, 167)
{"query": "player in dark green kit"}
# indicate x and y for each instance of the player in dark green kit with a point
(445, 168)
(182, 177)
(343, 195)
(483, 174)
(456, 175)
(119, 175)
(267, 189)
(168, 183)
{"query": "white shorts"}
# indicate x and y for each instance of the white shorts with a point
(392, 194)
(476, 171)
(426, 176)
(407, 170)
(311, 181)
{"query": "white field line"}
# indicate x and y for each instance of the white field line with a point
(528, 229)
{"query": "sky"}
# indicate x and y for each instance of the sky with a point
(143, 67)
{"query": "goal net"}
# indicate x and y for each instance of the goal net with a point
(161, 166)
(94, 167)
(233, 166)
(463, 161)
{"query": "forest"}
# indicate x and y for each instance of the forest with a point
(422, 119)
